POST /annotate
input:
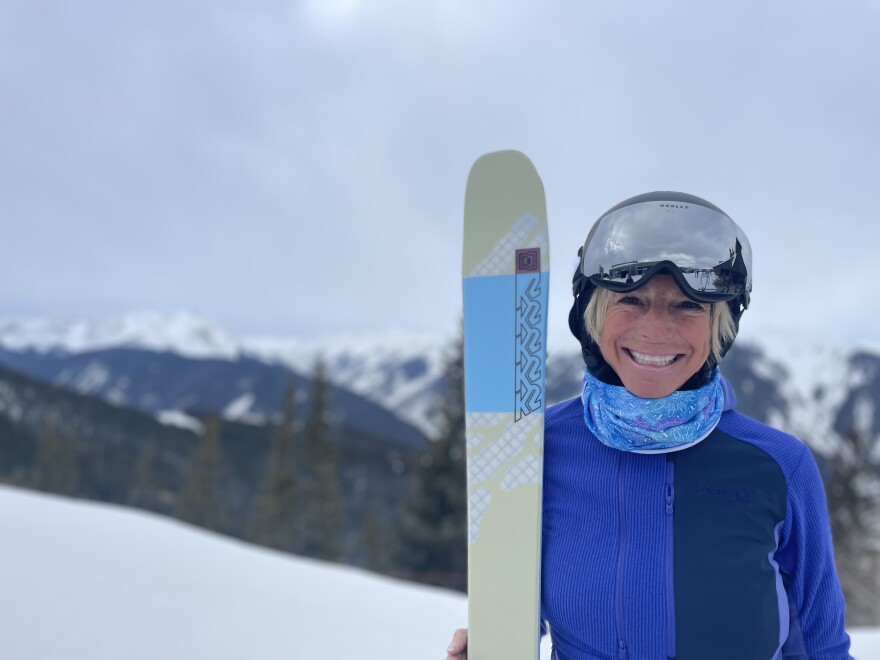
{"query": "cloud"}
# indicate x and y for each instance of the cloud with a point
(299, 167)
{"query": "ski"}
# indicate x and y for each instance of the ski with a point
(505, 288)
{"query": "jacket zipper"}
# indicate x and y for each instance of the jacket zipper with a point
(670, 585)
(621, 558)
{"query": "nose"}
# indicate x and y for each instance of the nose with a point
(657, 324)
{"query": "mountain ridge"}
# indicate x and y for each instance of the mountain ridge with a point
(790, 381)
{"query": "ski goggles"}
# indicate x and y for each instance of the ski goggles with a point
(704, 250)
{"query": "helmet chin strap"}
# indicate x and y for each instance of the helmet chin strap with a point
(583, 290)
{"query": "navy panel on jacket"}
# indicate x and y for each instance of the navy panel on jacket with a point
(730, 499)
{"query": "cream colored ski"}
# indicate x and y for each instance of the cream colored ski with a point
(505, 283)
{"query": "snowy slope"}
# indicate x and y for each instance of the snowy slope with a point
(86, 581)
(102, 583)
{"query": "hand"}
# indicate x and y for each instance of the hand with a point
(458, 648)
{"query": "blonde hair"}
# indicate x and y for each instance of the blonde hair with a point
(721, 326)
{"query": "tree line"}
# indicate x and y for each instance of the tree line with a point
(280, 486)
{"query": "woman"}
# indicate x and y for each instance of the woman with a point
(675, 527)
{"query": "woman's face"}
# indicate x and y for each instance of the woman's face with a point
(655, 338)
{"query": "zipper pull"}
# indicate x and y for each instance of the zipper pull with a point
(670, 498)
(621, 649)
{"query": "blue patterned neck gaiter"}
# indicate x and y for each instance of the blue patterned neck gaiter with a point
(626, 422)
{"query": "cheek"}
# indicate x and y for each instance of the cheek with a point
(700, 339)
(605, 348)
(611, 331)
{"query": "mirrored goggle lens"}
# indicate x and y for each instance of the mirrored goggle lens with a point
(711, 253)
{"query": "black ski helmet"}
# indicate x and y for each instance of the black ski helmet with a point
(673, 233)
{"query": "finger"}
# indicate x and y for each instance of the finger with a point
(458, 646)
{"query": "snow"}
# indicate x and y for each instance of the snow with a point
(97, 582)
(180, 419)
(819, 378)
(368, 365)
(9, 403)
(100, 582)
(364, 364)
(182, 332)
(239, 409)
(91, 379)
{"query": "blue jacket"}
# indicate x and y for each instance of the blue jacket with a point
(721, 550)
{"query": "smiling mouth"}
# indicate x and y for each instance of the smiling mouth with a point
(652, 360)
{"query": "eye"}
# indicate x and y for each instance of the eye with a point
(629, 300)
(690, 305)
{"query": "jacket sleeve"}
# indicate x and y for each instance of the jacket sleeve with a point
(806, 561)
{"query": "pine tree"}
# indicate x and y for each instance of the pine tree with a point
(852, 488)
(201, 503)
(322, 534)
(57, 460)
(143, 492)
(372, 541)
(433, 534)
(278, 520)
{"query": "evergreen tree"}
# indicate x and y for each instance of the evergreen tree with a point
(852, 488)
(322, 533)
(57, 460)
(433, 533)
(201, 503)
(143, 492)
(278, 519)
(372, 541)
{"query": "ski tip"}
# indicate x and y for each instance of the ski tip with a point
(492, 158)
(509, 165)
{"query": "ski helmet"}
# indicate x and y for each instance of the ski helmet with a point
(673, 233)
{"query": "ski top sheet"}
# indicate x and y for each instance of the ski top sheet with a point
(505, 285)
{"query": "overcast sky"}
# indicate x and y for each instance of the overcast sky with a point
(298, 168)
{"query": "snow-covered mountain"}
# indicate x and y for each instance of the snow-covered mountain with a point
(181, 332)
(813, 390)
(401, 372)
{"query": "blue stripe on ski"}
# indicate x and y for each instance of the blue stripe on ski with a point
(488, 333)
(491, 324)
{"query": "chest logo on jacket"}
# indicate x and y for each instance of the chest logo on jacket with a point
(738, 494)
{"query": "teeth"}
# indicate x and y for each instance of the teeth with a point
(652, 360)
